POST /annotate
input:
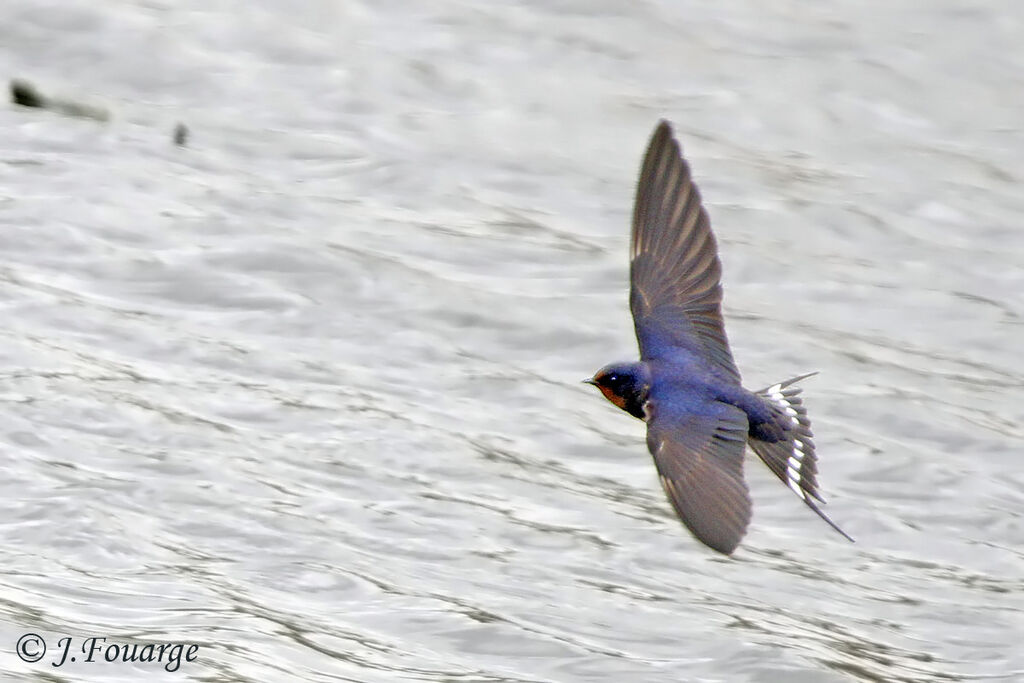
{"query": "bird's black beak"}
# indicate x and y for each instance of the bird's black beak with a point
(590, 380)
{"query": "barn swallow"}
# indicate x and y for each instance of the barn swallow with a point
(686, 386)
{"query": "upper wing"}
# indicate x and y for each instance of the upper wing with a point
(699, 457)
(676, 291)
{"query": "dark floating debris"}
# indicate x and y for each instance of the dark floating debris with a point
(180, 134)
(26, 94)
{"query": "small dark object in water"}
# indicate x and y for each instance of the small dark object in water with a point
(180, 134)
(25, 94)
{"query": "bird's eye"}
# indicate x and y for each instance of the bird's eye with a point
(612, 378)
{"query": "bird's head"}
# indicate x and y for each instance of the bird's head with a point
(624, 384)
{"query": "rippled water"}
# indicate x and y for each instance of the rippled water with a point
(306, 391)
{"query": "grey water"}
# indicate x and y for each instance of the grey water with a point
(306, 391)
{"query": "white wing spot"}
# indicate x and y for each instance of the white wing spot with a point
(793, 469)
(795, 484)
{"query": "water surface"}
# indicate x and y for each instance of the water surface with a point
(306, 391)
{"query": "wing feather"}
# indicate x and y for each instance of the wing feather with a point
(700, 463)
(676, 291)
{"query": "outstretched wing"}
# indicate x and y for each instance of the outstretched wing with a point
(699, 457)
(676, 291)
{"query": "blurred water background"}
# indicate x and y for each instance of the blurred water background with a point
(305, 391)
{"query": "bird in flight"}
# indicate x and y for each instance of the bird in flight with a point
(686, 386)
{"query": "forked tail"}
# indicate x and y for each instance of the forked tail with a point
(793, 459)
